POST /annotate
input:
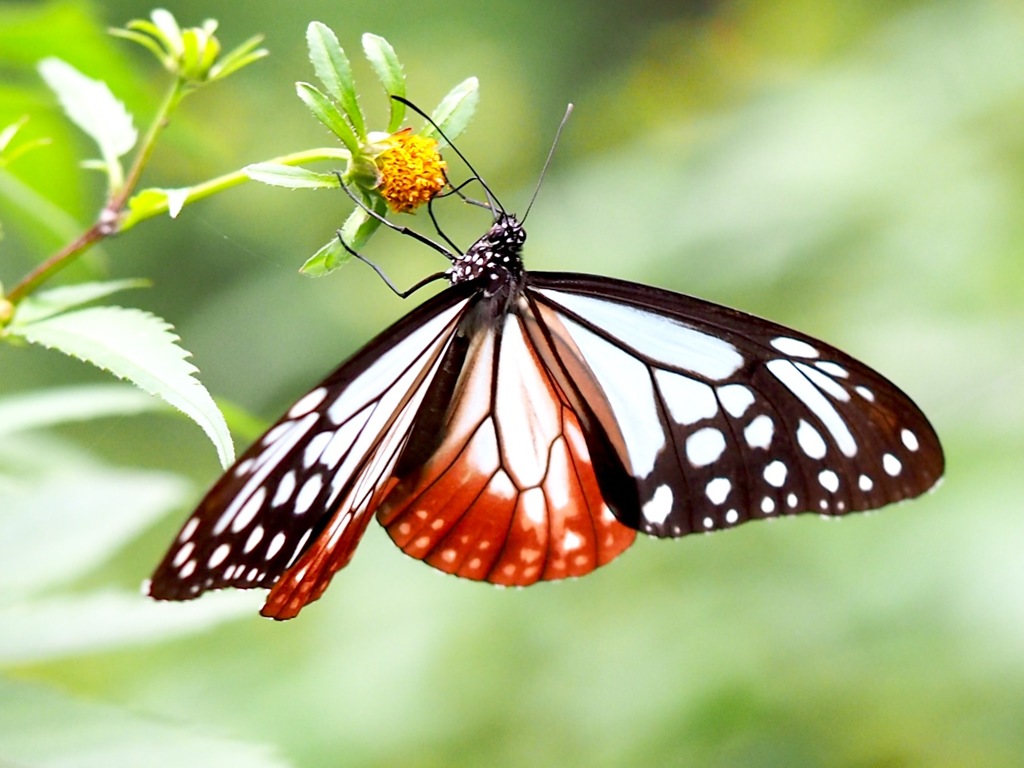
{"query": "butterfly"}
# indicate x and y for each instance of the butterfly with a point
(524, 426)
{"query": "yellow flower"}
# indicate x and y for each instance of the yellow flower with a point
(411, 171)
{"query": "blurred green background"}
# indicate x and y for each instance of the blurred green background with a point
(855, 170)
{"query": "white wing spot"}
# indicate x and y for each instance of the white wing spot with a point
(775, 474)
(791, 500)
(657, 508)
(448, 555)
(736, 398)
(571, 541)
(183, 554)
(220, 554)
(833, 369)
(705, 446)
(732, 517)
(709, 523)
(658, 337)
(275, 545)
(285, 488)
(829, 480)
(891, 464)
(767, 505)
(308, 494)
(824, 383)
(718, 489)
(804, 390)
(188, 530)
(243, 467)
(909, 440)
(865, 483)
(307, 403)
(810, 440)
(315, 448)
(758, 433)
(298, 549)
(254, 538)
(688, 400)
(864, 392)
(246, 514)
(188, 569)
(793, 347)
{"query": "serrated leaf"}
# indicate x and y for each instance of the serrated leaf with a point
(326, 112)
(455, 110)
(290, 176)
(93, 108)
(48, 303)
(335, 71)
(137, 346)
(385, 63)
(44, 727)
(57, 405)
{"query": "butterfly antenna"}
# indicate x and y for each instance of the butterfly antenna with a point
(551, 154)
(492, 200)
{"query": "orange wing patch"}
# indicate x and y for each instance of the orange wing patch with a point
(510, 495)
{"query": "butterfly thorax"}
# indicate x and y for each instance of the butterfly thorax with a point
(495, 259)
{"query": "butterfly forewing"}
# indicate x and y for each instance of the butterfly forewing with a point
(727, 417)
(310, 482)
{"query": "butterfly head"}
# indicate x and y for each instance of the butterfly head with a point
(496, 258)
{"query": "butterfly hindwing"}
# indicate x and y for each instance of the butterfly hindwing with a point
(509, 495)
(727, 417)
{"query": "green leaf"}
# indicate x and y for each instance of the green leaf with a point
(93, 108)
(137, 346)
(385, 63)
(335, 72)
(237, 58)
(329, 258)
(44, 727)
(57, 405)
(356, 232)
(56, 300)
(455, 110)
(326, 112)
(290, 176)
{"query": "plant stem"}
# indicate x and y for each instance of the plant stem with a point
(220, 183)
(108, 222)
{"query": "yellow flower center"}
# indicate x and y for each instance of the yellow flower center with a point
(411, 171)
